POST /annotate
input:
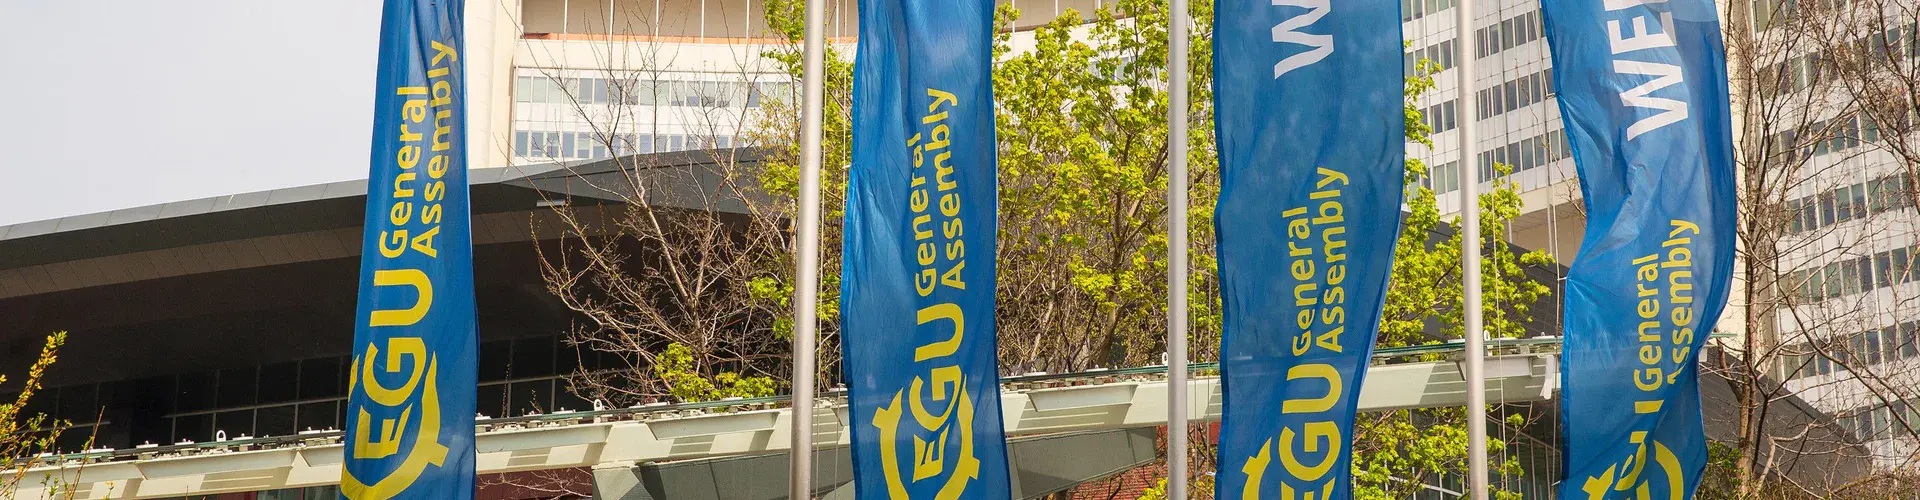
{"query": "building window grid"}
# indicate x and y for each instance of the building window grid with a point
(1503, 35)
(1851, 202)
(1854, 275)
(1872, 347)
(1879, 422)
(552, 145)
(1515, 94)
(646, 92)
(544, 392)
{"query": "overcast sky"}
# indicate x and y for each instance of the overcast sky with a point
(122, 103)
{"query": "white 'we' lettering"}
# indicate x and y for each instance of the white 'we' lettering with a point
(1288, 31)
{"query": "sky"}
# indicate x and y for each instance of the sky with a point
(123, 103)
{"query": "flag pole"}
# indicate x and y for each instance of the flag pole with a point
(1470, 256)
(1177, 250)
(807, 261)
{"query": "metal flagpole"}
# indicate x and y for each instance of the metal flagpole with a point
(1470, 257)
(1177, 251)
(807, 260)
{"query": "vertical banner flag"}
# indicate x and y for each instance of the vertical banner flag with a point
(917, 312)
(410, 407)
(1310, 129)
(1644, 96)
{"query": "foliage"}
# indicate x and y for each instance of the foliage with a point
(1082, 126)
(1396, 452)
(1081, 122)
(675, 366)
(24, 438)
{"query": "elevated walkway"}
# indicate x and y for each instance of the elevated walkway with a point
(627, 441)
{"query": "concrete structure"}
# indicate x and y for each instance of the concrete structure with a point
(625, 447)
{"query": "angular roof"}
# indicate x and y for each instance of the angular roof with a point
(285, 225)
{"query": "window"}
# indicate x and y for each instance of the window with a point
(520, 143)
(523, 89)
(1857, 197)
(539, 93)
(583, 144)
(1910, 339)
(1809, 214)
(1882, 423)
(1896, 348)
(1827, 214)
(1873, 345)
(1835, 283)
(1865, 274)
(1899, 267)
(1849, 277)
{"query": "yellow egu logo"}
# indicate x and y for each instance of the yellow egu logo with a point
(1628, 475)
(1317, 437)
(421, 392)
(936, 431)
(426, 448)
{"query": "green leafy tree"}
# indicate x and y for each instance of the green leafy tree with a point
(1081, 123)
(1083, 156)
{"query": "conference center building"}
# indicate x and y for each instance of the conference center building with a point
(210, 339)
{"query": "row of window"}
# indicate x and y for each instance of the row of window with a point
(1444, 178)
(1504, 98)
(1515, 94)
(1801, 72)
(279, 399)
(1878, 423)
(1492, 39)
(1509, 96)
(1441, 117)
(644, 92)
(1526, 154)
(1508, 34)
(1415, 9)
(548, 145)
(1854, 275)
(1847, 203)
(1894, 342)
(1440, 54)
(1828, 136)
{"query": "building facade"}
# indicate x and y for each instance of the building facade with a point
(1850, 247)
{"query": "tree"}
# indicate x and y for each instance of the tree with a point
(664, 258)
(1812, 117)
(27, 439)
(1081, 123)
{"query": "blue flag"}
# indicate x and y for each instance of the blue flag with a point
(916, 296)
(1312, 150)
(1643, 90)
(410, 406)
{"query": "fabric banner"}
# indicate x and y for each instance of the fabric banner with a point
(410, 408)
(1310, 129)
(1644, 96)
(916, 299)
